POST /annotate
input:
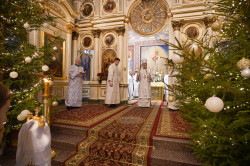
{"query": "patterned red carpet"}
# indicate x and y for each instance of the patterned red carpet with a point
(172, 125)
(86, 116)
(123, 139)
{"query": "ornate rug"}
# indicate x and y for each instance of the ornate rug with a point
(172, 125)
(86, 116)
(123, 139)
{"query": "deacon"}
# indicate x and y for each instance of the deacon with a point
(74, 98)
(130, 85)
(145, 79)
(136, 84)
(112, 89)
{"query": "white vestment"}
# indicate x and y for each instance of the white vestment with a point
(136, 84)
(34, 145)
(113, 93)
(130, 87)
(144, 88)
(74, 98)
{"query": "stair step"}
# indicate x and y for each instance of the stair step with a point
(61, 156)
(172, 144)
(65, 129)
(168, 157)
(65, 141)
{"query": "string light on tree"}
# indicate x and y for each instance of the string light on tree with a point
(214, 104)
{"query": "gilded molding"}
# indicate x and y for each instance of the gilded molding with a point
(120, 31)
(177, 24)
(208, 21)
(55, 7)
(70, 28)
(96, 33)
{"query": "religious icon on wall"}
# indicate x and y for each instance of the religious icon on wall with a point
(109, 6)
(86, 65)
(108, 57)
(109, 40)
(192, 32)
(87, 41)
(55, 67)
(87, 10)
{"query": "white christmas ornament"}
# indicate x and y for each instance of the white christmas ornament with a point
(54, 58)
(26, 26)
(20, 117)
(24, 113)
(245, 73)
(54, 48)
(45, 25)
(214, 104)
(28, 59)
(13, 74)
(194, 47)
(45, 68)
(177, 59)
(54, 103)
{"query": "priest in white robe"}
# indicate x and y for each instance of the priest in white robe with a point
(136, 84)
(130, 85)
(145, 78)
(112, 88)
(74, 98)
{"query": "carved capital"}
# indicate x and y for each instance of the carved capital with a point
(177, 25)
(120, 30)
(208, 21)
(70, 28)
(96, 33)
(75, 35)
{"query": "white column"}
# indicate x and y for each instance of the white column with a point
(176, 27)
(97, 64)
(120, 31)
(68, 50)
(34, 37)
(75, 46)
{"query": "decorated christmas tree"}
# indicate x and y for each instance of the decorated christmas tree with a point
(22, 64)
(213, 83)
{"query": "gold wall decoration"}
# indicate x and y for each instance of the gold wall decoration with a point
(55, 7)
(148, 18)
(108, 57)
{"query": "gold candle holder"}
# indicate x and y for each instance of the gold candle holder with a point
(46, 99)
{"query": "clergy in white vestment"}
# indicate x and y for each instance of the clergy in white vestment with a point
(136, 84)
(74, 98)
(112, 88)
(166, 87)
(145, 78)
(130, 86)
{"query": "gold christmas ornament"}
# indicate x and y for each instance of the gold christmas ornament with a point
(170, 98)
(217, 25)
(243, 64)
(208, 76)
(54, 103)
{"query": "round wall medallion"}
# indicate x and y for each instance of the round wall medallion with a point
(87, 41)
(147, 18)
(192, 32)
(87, 10)
(109, 6)
(109, 39)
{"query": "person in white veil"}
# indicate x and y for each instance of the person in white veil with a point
(145, 78)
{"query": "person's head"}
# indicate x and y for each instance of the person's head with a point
(78, 61)
(117, 61)
(130, 72)
(4, 107)
(144, 63)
